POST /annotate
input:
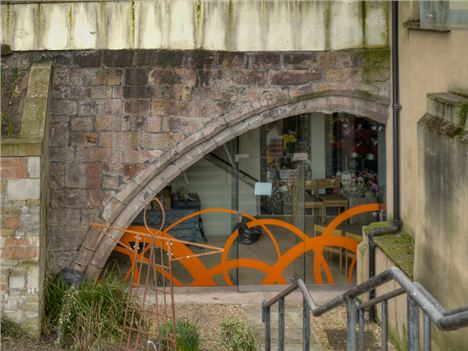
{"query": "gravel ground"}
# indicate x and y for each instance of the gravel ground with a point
(209, 317)
(330, 329)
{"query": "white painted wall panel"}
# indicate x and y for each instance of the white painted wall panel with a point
(237, 25)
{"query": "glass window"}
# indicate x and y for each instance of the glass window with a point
(444, 14)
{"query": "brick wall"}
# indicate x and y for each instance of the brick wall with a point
(20, 239)
(24, 202)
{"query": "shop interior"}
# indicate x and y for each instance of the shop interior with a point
(303, 171)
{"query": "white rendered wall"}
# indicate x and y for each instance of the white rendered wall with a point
(236, 25)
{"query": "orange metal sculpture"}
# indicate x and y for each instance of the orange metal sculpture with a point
(203, 276)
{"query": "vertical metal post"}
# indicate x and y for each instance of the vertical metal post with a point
(361, 330)
(281, 324)
(384, 346)
(427, 333)
(306, 325)
(266, 320)
(413, 325)
(351, 317)
(371, 275)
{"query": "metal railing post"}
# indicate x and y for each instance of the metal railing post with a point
(427, 333)
(266, 320)
(384, 317)
(281, 324)
(361, 330)
(413, 324)
(351, 319)
(306, 325)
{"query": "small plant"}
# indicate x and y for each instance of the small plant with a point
(55, 289)
(11, 329)
(93, 315)
(188, 336)
(237, 335)
(8, 123)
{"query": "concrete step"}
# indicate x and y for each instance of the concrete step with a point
(293, 327)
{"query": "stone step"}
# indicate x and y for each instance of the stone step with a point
(293, 327)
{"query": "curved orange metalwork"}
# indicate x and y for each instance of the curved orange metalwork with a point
(202, 276)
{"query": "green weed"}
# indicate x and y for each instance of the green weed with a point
(10, 328)
(188, 336)
(237, 335)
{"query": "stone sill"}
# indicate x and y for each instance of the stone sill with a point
(21, 147)
(399, 247)
(416, 25)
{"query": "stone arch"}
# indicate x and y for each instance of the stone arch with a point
(126, 205)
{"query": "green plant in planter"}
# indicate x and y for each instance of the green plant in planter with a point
(188, 336)
(237, 335)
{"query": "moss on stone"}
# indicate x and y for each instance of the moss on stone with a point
(400, 249)
(375, 61)
(376, 225)
(463, 115)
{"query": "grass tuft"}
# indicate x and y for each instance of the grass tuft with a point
(237, 335)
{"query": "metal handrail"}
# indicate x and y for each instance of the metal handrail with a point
(418, 298)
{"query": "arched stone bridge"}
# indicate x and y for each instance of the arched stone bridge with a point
(125, 123)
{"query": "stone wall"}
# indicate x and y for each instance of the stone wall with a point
(123, 119)
(24, 200)
(442, 241)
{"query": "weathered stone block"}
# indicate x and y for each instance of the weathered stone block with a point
(13, 168)
(34, 167)
(166, 107)
(93, 175)
(136, 76)
(294, 78)
(58, 136)
(167, 77)
(200, 59)
(137, 92)
(107, 76)
(82, 124)
(39, 79)
(139, 106)
(117, 92)
(119, 140)
(88, 59)
(99, 92)
(32, 280)
(264, 59)
(23, 189)
(299, 59)
(111, 182)
(83, 139)
(64, 107)
(250, 78)
(153, 124)
(108, 123)
(159, 57)
(11, 222)
(232, 60)
(20, 253)
(118, 58)
(161, 141)
(64, 216)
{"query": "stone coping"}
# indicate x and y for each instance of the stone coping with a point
(34, 115)
(399, 247)
(21, 147)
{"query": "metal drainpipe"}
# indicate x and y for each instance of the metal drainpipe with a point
(395, 228)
